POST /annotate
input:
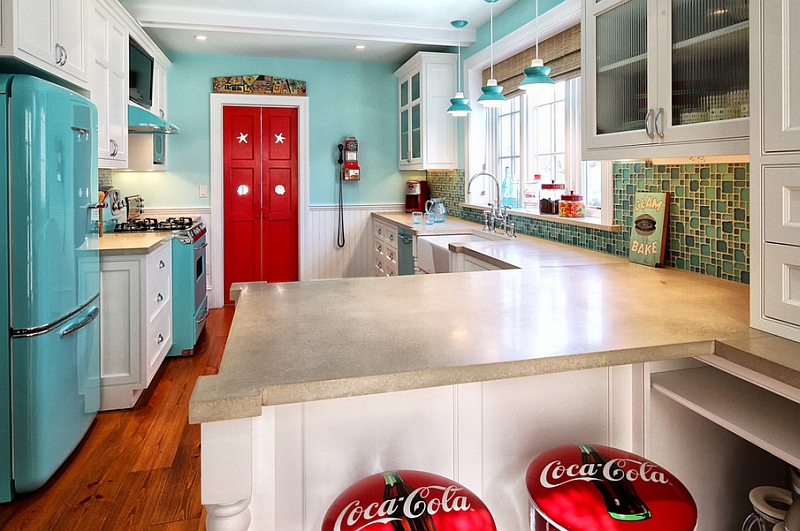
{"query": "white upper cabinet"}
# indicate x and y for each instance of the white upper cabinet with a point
(50, 35)
(427, 136)
(109, 85)
(665, 78)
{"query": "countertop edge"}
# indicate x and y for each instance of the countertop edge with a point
(204, 408)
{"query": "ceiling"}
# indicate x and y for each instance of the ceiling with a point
(391, 30)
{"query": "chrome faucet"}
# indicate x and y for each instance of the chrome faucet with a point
(496, 206)
(496, 212)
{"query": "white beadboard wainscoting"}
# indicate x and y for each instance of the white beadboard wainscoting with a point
(327, 259)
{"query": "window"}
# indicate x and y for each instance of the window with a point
(538, 141)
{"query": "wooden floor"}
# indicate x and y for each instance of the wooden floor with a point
(136, 469)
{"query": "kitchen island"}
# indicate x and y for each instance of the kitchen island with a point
(466, 375)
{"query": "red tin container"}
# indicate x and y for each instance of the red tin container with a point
(581, 487)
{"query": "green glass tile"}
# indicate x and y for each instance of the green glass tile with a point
(679, 191)
(710, 192)
(711, 231)
(727, 267)
(720, 206)
(674, 209)
(705, 250)
(705, 211)
(694, 223)
(690, 241)
(705, 173)
(694, 185)
(727, 187)
(739, 174)
(722, 247)
(745, 236)
(727, 227)
(745, 194)
(727, 177)
(739, 256)
(695, 260)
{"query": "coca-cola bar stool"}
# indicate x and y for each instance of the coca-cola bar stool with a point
(583, 487)
(407, 500)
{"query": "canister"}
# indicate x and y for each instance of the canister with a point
(571, 205)
(551, 194)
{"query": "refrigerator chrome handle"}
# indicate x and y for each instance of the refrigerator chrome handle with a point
(43, 329)
(91, 316)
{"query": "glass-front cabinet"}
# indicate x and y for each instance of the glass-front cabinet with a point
(426, 82)
(665, 78)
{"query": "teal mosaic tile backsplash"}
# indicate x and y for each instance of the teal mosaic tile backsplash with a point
(709, 226)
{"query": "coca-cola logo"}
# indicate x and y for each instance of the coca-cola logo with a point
(416, 504)
(556, 474)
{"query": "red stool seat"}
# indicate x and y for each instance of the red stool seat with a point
(581, 487)
(407, 500)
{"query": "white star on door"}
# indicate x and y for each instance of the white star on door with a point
(279, 138)
(242, 138)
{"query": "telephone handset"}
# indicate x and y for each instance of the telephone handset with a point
(350, 169)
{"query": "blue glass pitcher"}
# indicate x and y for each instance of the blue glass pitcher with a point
(436, 208)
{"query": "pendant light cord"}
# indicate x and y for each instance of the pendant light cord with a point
(537, 29)
(491, 40)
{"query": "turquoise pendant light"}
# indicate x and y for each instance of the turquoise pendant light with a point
(537, 73)
(492, 93)
(459, 105)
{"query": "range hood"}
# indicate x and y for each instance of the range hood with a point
(143, 121)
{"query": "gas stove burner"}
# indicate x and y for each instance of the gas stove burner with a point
(152, 224)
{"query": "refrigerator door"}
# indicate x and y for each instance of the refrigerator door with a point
(56, 381)
(6, 491)
(54, 275)
(53, 184)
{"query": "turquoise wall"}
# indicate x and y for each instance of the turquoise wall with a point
(345, 98)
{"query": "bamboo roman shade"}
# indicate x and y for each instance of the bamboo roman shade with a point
(561, 52)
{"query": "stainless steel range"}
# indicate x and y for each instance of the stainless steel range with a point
(189, 301)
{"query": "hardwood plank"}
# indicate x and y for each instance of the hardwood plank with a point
(136, 469)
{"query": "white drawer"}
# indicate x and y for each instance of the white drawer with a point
(390, 270)
(380, 265)
(159, 340)
(159, 263)
(391, 256)
(782, 204)
(385, 232)
(781, 283)
(158, 293)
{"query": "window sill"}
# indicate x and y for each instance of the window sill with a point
(589, 222)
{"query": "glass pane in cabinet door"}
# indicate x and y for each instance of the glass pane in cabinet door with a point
(622, 68)
(416, 133)
(710, 60)
(404, 94)
(415, 87)
(404, 153)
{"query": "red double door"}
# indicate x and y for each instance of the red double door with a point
(260, 187)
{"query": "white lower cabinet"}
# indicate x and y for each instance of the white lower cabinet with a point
(136, 322)
(384, 249)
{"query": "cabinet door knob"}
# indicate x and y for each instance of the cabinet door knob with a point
(161, 264)
(159, 298)
(160, 339)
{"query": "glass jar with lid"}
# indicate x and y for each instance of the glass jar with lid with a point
(551, 194)
(571, 205)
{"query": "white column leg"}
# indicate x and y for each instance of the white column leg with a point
(226, 471)
(228, 516)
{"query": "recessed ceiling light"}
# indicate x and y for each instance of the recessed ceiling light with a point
(200, 37)
(359, 47)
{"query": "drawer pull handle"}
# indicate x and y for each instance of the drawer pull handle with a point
(160, 339)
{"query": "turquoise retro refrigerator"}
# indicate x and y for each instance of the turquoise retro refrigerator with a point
(49, 279)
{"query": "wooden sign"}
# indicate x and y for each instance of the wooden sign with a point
(649, 231)
(259, 85)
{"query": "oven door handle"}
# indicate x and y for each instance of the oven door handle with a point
(203, 318)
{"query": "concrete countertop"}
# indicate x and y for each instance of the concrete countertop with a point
(131, 242)
(295, 342)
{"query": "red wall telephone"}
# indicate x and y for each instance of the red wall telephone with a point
(350, 169)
